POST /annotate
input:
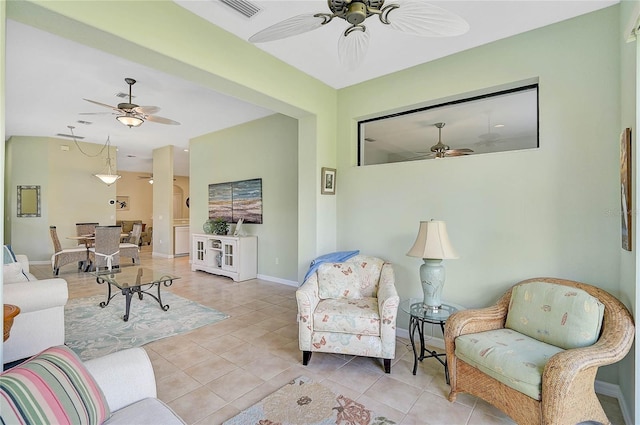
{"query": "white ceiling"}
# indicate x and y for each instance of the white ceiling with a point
(47, 76)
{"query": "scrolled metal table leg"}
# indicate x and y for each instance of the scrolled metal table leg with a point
(412, 328)
(128, 292)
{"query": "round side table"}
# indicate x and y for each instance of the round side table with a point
(10, 311)
(418, 316)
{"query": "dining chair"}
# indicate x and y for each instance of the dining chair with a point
(105, 254)
(131, 248)
(83, 229)
(65, 256)
(134, 236)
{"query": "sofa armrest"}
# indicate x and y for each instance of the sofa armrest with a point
(125, 377)
(308, 298)
(36, 295)
(24, 260)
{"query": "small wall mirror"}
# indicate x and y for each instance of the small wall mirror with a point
(497, 121)
(28, 201)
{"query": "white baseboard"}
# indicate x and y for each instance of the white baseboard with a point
(161, 255)
(604, 388)
(278, 280)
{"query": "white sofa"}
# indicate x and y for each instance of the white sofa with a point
(127, 381)
(40, 323)
(116, 389)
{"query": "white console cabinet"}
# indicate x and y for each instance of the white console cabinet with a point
(232, 256)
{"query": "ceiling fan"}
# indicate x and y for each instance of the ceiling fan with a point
(440, 150)
(410, 16)
(131, 114)
(149, 178)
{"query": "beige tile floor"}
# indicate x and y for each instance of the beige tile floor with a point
(214, 372)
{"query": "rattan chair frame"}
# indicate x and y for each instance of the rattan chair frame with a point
(62, 257)
(106, 251)
(568, 396)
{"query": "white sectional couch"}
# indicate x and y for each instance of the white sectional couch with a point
(40, 323)
(130, 404)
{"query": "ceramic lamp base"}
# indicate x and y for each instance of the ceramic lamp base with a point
(432, 279)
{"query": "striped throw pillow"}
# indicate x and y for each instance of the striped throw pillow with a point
(53, 387)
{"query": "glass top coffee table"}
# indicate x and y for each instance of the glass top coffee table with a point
(134, 280)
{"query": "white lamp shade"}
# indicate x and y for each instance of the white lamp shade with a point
(433, 242)
(108, 179)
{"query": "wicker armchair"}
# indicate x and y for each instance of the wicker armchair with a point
(566, 393)
(65, 256)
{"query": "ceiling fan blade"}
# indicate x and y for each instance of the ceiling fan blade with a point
(101, 104)
(352, 47)
(462, 150)
(146, 110)
(420, 18)
(160, 120)
(289, 27)
(96, 113)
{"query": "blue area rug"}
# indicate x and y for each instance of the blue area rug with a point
(92, 331)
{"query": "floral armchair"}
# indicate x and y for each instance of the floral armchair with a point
(349, 308)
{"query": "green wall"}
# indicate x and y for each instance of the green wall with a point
(268, 149)
(69, 192)
(629, 11)
(552, 211)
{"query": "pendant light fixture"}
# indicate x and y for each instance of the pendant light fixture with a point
(109, 177)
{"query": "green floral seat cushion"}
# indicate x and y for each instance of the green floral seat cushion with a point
(563, 316)
(512, 358)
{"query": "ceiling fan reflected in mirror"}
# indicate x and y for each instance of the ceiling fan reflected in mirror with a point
(440, 150)
(410, 16)
(130, 114)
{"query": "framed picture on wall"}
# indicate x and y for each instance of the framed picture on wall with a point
(328, 181)
(625, 189)
(122, 203)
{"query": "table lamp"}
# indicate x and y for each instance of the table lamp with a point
(433, 246)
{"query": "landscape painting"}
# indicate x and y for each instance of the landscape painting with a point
(233, 201)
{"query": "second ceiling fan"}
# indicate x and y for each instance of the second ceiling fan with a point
(440, 150)
(132, 115)
(410, 16)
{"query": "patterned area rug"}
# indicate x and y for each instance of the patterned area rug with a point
(304, 402)
(92, 331)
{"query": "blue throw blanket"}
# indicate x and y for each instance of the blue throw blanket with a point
(333, 257)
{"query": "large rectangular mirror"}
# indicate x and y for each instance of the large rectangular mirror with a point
(28, 201)
(502, 120)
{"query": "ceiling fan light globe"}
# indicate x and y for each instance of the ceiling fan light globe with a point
(423, 19)
(130, 120)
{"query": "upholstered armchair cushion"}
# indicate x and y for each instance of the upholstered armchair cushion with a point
(510, 357)
(353, 279)
(555, 314)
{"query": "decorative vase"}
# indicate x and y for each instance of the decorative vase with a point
(208, 226)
